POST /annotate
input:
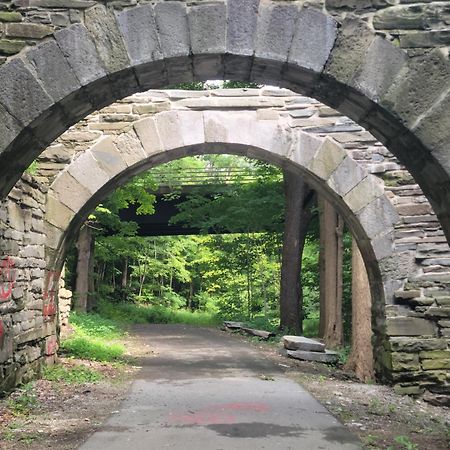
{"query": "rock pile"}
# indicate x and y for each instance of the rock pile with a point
(300, 347)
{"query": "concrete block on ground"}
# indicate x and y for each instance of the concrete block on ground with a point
(303, 343)
(328, 356)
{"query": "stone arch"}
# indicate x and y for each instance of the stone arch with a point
(325, 164)
(402, 100)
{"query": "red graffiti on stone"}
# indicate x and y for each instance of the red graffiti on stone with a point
(7, 278)
(51, 288)
(51, 345)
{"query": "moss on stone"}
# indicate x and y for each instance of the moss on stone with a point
(9, 16)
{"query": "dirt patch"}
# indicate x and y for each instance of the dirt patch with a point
(55, 414)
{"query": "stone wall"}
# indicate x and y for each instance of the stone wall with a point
(418, 314)
(27, 301)
(411, 24)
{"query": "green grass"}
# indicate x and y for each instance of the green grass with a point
(130, 313)
(92, 338)
(96, 326)
(24, 400)
(311, 328)
(96, 334)
(72, 375)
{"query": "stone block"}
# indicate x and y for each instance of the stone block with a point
(409, 344)
(347, 175)
(138, 28)
(348, 54)
(11, 46)
(28, 30)
(275, 30)
(435, 354)
(410, 326)
(70, 192)
(425, 39)
(178, 129)
(313, 40)
(9, 129)
(328, 357)
(102, 25)
(147, 132)
(53, 70)
(438, 311)
(435, 364)
(420, 16)
(81, 4)
(78, 47)
(305, 149)
(433, 130)
(408, 389)
(364, 193)
(405, 362)
(378, 217)
(172, 23)
(382, 64)
(302, 343)
(301, 113)
(208, 26)
(10, 16)
(86, 171)
(242, 23)
(108, 156)
(131, 148)
(327, 159)
(427, 74)
(24, 104)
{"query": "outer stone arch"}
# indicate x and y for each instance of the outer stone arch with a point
(323, 163)
(401, 100)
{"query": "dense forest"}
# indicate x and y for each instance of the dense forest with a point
(231, 269)
(255, 244)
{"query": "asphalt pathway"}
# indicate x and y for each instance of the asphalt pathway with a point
(205, 390)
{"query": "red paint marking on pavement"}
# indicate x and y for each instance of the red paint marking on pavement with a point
(7, 278)
(238, 406)
(203, 418)
(217, 413)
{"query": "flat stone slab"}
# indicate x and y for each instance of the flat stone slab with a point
(303, 343)
(325, 357)
(233, 325)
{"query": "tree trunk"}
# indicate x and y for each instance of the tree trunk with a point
(331, 284)
(125, 274)
(295, 228)
(322, 287)
(92, 297)
(361, 357)
(191, 293)
(84, 255)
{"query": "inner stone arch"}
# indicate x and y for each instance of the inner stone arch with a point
(323, 163)
(270, 124)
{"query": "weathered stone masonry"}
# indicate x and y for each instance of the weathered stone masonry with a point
(27, 310)
(382, 63)
(353, 63)
(420, 247)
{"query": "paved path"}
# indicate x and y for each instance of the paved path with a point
(205, 390)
